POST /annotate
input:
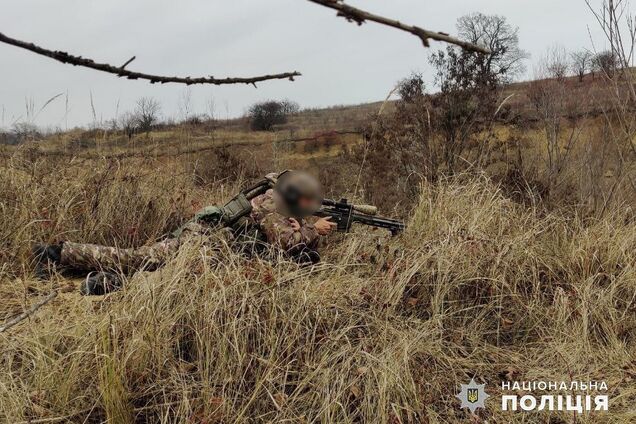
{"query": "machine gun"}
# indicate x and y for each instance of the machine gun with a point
(344, 214)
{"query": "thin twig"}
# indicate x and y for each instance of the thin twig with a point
(28, 312)
(121, 72)
(128, 62)
(359, 16)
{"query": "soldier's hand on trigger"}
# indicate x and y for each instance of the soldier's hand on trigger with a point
(324, 226)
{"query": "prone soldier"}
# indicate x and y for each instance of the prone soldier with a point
(275, 212)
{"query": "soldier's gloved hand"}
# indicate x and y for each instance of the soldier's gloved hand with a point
(100, 283)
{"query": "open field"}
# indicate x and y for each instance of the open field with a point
(384, 330)
(490, 281)
(505, 291)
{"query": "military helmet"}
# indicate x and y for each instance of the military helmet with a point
(297, 194)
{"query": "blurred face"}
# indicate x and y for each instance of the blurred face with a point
(307, 203)
(298, 194)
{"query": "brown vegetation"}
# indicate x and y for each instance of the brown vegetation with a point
(502, 281)
(383, 331)
(518, 262)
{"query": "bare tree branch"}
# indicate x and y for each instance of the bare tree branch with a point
(28, 312)
(122, 72)
(359, 16)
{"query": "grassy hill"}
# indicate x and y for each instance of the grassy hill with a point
(482, 284)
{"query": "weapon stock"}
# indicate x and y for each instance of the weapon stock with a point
(344, 214)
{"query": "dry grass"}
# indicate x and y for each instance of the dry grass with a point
(384, 330)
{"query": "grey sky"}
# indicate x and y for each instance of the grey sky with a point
(341, 63)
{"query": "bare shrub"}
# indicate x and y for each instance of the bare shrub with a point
(147, 112)
(397, 146)
(470, 87)
(581, 63)
(465, 106)
(556, 63)
(431, 135)
(195, 120)
(265, 115)
(605, 63)
(559, 115)
(25, 131)
(129, 124)
(329, 140)
(6, 137)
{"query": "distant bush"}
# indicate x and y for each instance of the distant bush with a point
(24, 131)
(144, 118)
(8, 137)
(128, 124)
(195, 120)
(581, 63)
(265, 115)
(605, 63)
(147, 113)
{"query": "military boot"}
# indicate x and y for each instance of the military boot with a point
(100, 283)
(47, 257)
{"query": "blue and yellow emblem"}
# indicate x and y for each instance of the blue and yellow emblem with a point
(473, 396)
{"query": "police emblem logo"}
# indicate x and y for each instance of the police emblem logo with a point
(472, 396)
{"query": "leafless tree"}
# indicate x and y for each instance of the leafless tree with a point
(605, 63)
(559, 114)
(399, 146)
(556, 63)
(505, 60)
(147, 113)
(429, 135)
(619, 27)
(581, 63)
(129, 124)
(470, 85)
(290, 107)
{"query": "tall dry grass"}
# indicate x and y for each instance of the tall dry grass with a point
(384, 330)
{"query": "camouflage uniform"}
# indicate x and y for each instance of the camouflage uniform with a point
(276, 228)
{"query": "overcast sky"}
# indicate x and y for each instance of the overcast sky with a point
(340, 62)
